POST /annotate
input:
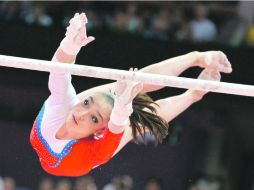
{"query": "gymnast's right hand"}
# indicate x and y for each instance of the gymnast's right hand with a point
(125, 92)
(75, 36)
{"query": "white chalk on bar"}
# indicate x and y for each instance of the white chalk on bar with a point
(114, 74)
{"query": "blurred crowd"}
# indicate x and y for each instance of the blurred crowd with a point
(221, 22)
(123, 182)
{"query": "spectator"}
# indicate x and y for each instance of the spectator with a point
(153, 184)
(179, 31)
(250, 36)
(202, 29)
(85, 183)
(246, 22)
(1, 183)
(37, 15)
(124, 182)
(193, 187)
(160, 25)
(63, 184)
(126, 20)
(95, 20)
(119, 21)
(134, 23)
(9, 11)
(204, 184)
(9, 183)
(46, 184)
(245, 11)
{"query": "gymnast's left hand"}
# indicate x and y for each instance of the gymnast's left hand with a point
(206, 74)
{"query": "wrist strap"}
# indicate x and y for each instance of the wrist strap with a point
(69, 47)
(120, 114)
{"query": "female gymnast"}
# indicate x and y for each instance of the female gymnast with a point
(73, 134)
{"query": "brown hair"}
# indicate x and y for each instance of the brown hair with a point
(143, 117)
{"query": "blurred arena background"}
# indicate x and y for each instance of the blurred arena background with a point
(211, 146)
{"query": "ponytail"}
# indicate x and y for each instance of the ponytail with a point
(144, 117)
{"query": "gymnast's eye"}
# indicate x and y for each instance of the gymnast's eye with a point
(95, 119)
(86, 102)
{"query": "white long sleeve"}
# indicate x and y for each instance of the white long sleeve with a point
(56, 108)
(60, 87)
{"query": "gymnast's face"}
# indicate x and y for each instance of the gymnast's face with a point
(88, 117)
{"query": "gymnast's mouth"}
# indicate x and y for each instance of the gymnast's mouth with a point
(74, 120)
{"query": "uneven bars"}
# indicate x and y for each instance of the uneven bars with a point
(114, 74)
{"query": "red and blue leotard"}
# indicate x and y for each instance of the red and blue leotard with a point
(78, 157)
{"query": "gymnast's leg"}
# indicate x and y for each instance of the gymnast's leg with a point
(170, 107)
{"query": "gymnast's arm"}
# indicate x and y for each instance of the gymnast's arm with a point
(60, 84)
(62, 93)
(174, 67)
(104, 148)
(169, 108)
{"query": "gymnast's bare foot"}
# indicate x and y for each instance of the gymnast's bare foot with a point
(215, 60)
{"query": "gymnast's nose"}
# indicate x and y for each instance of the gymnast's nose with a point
(82, 114)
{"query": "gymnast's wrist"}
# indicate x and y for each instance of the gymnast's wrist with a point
(69, 47)
(120, 114)
(119, 118)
